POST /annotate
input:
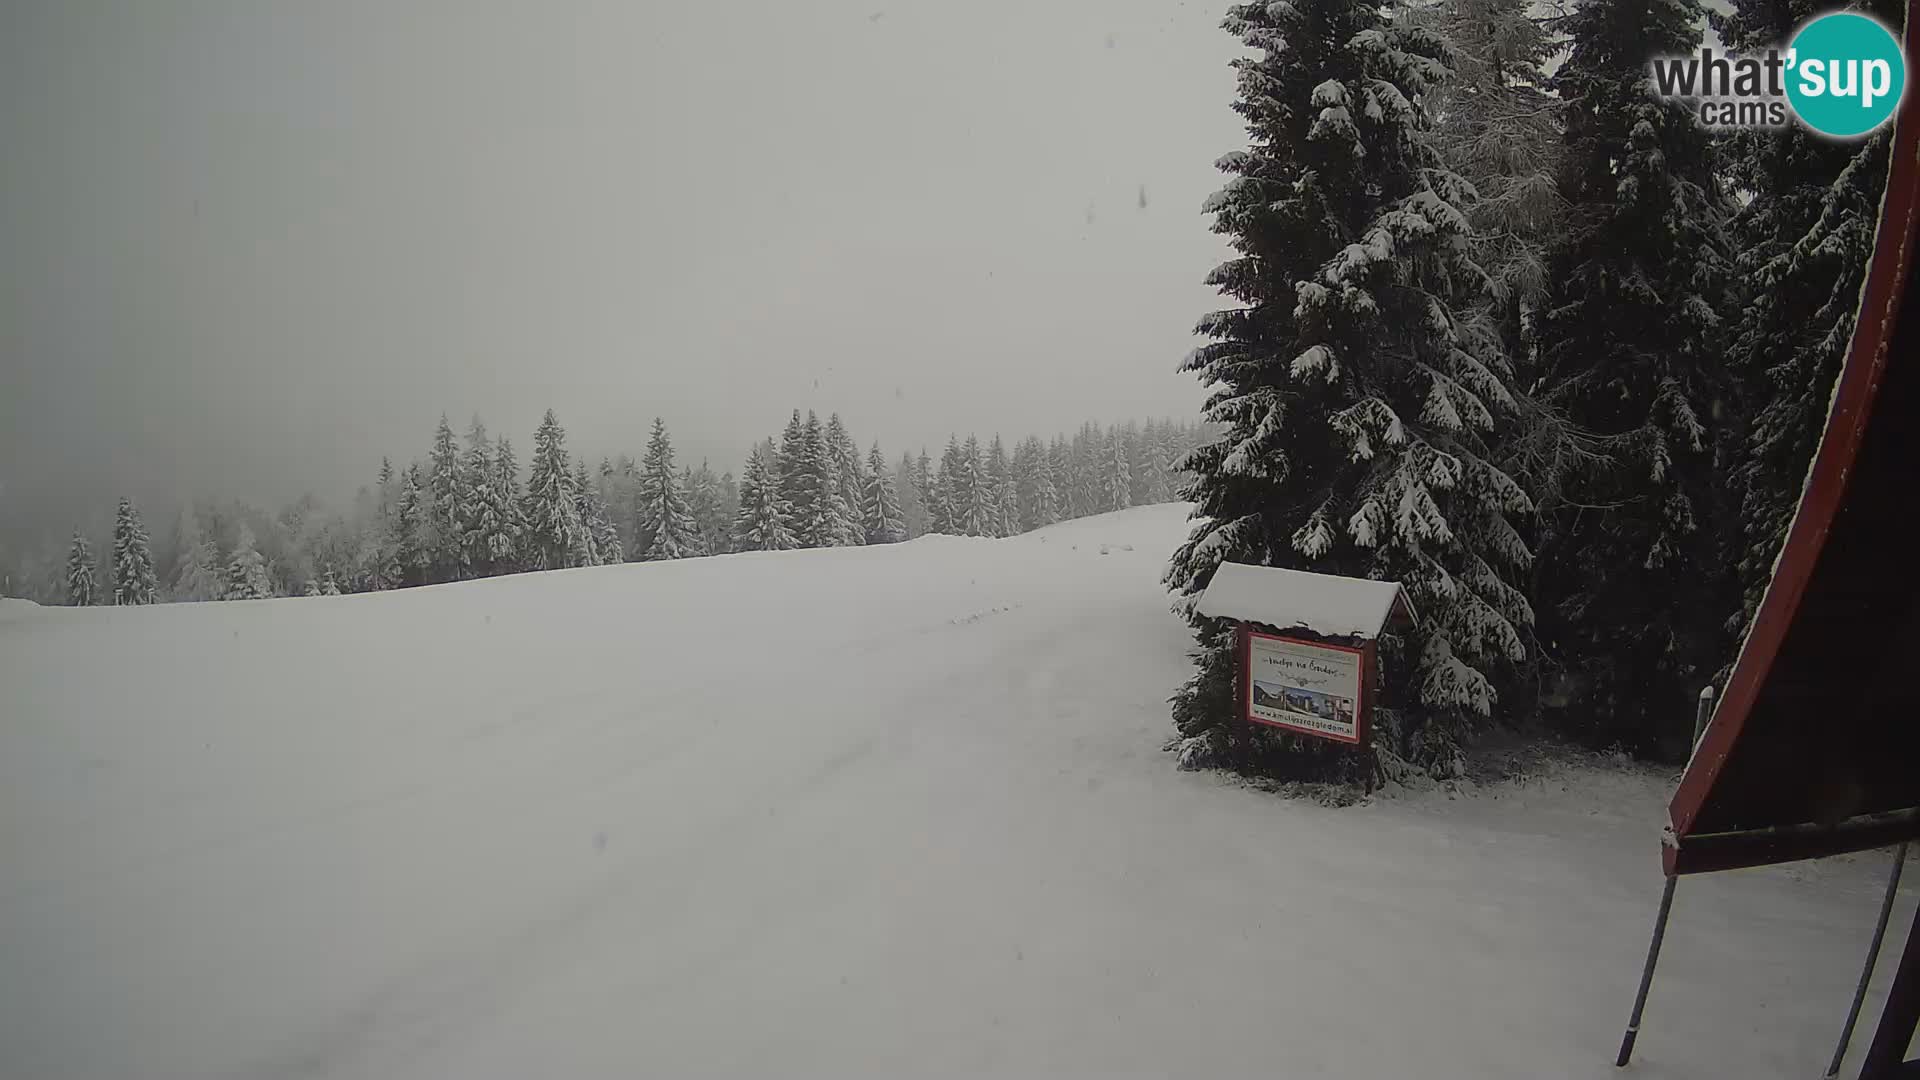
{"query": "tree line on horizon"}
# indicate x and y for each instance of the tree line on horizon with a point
(1508, 327)
(467, 511)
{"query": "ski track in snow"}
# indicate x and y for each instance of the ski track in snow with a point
(868, 812)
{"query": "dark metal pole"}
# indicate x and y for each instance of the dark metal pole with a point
(1646, 975)
(1702, 713)
(1873, 953)
(1899, 1014)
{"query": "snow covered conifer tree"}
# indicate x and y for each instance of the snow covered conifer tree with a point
(884, 522)
(446, 512)
(711, 524)
(198, 576)
(1059, 462)
(1022, 467)
(974, 502)
(796, 485)
(584, 496)
(556, 537)
(1033, 479)
(1500, 130)
(849, 479)
(999, 473)
(82, 590)
(665, 522)
(1144, 466)
(695, 547)
(913, 512)
(1173, 452)
(385, 490)
(923, 490)
(329, 585)
(1634, 579)
(411, 536)
(1139, 480)
(607, 546)
(820, 517)
(729, 508)
(478, 509)
(503, 524)
(1046, 486)
(1355, 414)
(1116, 476)
(1089, 476)
(764, 513)
(946, 493)
(133, 581)
(246, 570)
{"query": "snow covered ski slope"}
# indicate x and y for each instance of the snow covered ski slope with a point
(873, 812)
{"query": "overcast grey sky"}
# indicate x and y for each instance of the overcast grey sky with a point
(247, 247)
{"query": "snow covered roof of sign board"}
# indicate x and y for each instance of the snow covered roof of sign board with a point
(1322, 603)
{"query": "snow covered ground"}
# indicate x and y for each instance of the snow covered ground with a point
(871, 812)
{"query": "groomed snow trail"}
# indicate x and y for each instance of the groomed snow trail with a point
(872, 812)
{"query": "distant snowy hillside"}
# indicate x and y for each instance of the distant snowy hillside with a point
(883, 811)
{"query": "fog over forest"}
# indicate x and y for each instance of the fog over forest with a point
(253, 249)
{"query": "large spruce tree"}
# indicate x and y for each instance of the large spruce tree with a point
(503, 521)
(1355, 408)
(1634, 580)
(478, 510)
(913, 512)
(1002, 513)
(666, 524)
(882, 520)
(410, 534)
(821, 518)
(555, 537)
(763, 523)
(446, 507)
(1034, 494)
(849, 479)
(712, 518)
(133, 580)
(82, 587)
(247, 570)
(197, 577)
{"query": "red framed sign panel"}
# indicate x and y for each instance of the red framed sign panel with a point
(1307, 687)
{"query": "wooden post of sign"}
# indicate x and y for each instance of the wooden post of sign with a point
(1369, 691)
(1242, 690)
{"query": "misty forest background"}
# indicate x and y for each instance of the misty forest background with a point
(1501, 325)
(468, 510)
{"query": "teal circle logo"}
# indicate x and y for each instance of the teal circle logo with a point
(1845, 74)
